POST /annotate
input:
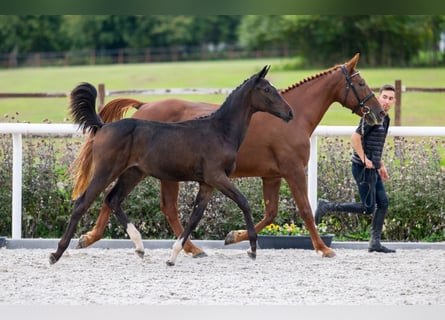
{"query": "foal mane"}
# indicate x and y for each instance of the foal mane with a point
(230, 96)
(310, 78)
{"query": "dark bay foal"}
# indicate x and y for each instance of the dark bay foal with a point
(202, 150)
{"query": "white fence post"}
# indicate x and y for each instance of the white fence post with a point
(17, 129)
(312, 171)
(17, 185)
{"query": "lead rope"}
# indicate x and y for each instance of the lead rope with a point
(364, 180)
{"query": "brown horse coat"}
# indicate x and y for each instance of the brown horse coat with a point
(280, 150)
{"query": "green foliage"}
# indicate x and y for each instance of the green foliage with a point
(417, 178)
(320, 39)
(416, 213)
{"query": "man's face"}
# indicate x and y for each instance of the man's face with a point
(387, 99)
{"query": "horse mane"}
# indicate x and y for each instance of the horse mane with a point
(230, 96)
(310, 78)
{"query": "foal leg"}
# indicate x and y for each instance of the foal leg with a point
(125, 184)
(80, 208)
(169, 207)
(228, 188)
(271, 188)
(201, 201)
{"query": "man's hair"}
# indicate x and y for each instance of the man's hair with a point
(388, 87)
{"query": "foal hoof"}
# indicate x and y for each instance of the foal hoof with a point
(52, 259)
(252, 255)
(169, 263)
(140, 253)
(202, 254)
(230, 238)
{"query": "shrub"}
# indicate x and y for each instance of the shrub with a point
(417, 178)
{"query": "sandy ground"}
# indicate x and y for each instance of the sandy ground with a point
(225, 277)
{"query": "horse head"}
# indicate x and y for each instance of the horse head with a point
(362, 101)
(267, 98)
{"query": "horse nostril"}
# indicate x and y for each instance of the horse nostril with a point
(291, 114)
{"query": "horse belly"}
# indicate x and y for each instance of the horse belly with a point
(173, 169)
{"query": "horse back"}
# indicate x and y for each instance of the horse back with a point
(174, 110)
(179, 151)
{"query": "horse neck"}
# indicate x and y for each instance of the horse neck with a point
(233, 117)
(311, 99)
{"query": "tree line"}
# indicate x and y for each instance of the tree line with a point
(385, 40)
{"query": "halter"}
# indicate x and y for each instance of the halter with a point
(350, 85)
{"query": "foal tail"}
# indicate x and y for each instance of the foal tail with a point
(83, 108)
(82, 104)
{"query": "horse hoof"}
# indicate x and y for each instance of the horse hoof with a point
(81, 243)
(329, 254)
(252, 255)
(201, 254)
(230, 238)
(140, 253)
(170, 264)
(52, 259)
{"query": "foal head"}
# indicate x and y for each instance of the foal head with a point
(265, 97)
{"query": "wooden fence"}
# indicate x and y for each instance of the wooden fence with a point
(134, 55)
(102, 93)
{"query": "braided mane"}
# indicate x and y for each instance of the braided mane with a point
(310, 78)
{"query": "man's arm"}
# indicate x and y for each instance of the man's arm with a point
(356, 140)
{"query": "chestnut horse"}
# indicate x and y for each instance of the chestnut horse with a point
(202, 150)
(271, 149)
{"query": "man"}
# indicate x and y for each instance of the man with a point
(369, 172)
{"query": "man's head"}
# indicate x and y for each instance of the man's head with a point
(387, 96)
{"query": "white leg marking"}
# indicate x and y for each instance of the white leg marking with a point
(135, 236)
(177, 247)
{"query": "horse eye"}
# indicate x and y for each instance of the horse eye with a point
(267, 89)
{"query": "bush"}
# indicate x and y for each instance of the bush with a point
(415, 184)
(417, 178)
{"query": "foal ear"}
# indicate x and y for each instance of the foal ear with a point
(263, 72)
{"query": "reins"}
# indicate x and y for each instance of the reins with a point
(365, 111)
(350, 85)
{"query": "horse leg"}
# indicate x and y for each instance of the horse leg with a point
(98, 230)
(201, 201)
(124, 185)
(271, 188)
(80, 208)
(228, 189)
(169, 207)
(298, 186)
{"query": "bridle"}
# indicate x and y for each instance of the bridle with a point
(350, 85)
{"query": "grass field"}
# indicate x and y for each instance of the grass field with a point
(418, 109)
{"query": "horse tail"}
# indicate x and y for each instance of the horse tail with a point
(116, 109)
(83, 108)
(82, 105)
(81, 169)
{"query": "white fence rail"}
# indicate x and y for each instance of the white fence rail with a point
(19, 129)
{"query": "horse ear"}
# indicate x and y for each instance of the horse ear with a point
(263, 72)
(354, 60)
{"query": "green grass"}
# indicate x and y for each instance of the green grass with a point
(418, 109)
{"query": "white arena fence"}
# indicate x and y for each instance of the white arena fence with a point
(19, 129)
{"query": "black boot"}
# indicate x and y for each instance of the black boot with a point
(376, 231)
(324, 207)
